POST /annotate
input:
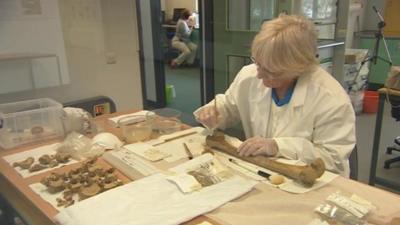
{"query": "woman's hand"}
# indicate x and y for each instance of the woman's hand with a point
(258, 146)
(209, 117)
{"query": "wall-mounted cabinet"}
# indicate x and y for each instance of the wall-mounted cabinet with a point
(26, 71)
(32, 47)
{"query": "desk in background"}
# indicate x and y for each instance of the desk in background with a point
(373, 178)
(263, 205)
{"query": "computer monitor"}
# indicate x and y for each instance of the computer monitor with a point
(177, 14)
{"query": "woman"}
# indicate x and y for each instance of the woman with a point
(181, 41)
(288, 105)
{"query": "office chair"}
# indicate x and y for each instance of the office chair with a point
(394, 101)
(395, 147)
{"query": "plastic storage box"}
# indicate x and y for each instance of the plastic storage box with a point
(29, 121)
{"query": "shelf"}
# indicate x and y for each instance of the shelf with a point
(371, 34)
(17, 56)
(27, 71)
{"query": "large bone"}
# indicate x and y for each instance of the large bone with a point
(303, 174)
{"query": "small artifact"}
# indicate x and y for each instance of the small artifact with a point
(85, 181)
(74, 173)
(37, 167)
(25, 164)
(306, 175)
(60, 202)
(74, 185)
(276, 179)
(37, 130)
(108, 184)
(65, 203)
(62, 157)
(69, 203)
(45, 159)
(89, 190)
(95, 168)
(110, 170)
(55, 183)
(53, 163)
(67, 194)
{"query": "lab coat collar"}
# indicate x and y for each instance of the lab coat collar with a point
(264, 97)
(294, 107)
(300, 91)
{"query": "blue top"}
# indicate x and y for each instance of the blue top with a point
(285, 100)
(183, 31)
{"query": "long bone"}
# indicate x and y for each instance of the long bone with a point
(304, 174)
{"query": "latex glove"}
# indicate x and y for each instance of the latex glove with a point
(258, 146)
(209, 117)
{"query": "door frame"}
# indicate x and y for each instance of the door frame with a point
(207, 44)
(207, 92)
(158, 60)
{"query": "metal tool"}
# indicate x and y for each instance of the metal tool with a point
(190, 155)
(175, 137)
(259, 172)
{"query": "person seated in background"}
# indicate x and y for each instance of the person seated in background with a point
(288, 105)
(182, 42)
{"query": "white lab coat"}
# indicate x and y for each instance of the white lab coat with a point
(319, 121)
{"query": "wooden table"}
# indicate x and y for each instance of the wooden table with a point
(31, 207)
(264, 205)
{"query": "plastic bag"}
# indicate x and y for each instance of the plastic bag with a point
(79, 146)
(78, 120)
(341, 209)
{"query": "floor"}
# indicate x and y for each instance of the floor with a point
(365, 134)
(186, 82)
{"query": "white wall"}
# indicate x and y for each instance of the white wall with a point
(171, 4)
(92, 29)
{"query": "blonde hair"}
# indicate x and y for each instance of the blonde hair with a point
(287, 44)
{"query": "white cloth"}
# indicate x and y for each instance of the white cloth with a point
(319, 120)
(152, 200)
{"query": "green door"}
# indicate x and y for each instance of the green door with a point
(231, 45)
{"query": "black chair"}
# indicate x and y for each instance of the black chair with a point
(353, 161)
(389, 150)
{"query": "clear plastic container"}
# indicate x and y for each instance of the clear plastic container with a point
(29, 121)
(136, 131)
(166, 121)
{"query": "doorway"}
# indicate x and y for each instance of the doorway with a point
(183, 87)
